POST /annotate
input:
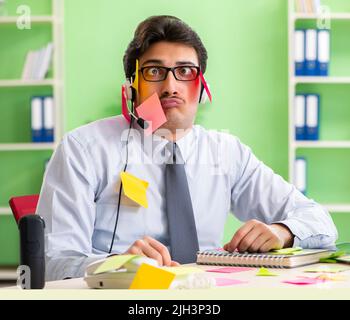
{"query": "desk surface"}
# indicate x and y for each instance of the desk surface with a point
(253, 287)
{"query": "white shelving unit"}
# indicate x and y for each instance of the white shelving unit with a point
(57, 84)
(293, 145)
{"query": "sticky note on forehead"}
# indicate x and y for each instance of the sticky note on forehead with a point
(151, 110)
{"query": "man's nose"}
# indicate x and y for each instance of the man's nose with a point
(169, 84)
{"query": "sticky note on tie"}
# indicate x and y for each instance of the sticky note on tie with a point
(151, 110)
(114, 263)
(134, 188)
(263, 272)
(150, 277)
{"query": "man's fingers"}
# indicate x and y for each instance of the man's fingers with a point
(149, 251)
(174, 264)
(161, 248)
(239, 235)
(250, 237)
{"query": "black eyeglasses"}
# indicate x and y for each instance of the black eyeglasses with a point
(181, 73)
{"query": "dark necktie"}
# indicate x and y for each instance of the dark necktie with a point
(182, 227)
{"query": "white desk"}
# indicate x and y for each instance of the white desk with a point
(255, 287)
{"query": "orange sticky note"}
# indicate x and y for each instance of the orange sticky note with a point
(151, 110)
(150, 277)
(135, 188)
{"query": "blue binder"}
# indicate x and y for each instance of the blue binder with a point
(36, 119)
(311, 52)
(299, 51)
(300, 117)
(323, 52)
(48, 119)
(312, 116)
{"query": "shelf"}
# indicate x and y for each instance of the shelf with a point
(5, 211)
(320, 79)
(337, 207)
(26, 146)
(315, 16)
(321, 144)
(26, 83)
(33, 19)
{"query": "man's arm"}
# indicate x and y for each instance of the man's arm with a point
(67, 205)
(274, 210)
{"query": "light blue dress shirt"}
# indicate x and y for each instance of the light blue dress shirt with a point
(79, 195)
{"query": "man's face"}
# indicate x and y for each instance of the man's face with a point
(179, 99)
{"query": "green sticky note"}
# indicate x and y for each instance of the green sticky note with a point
(114, 263)
(265, 272)
(287, 251)
(332, 258)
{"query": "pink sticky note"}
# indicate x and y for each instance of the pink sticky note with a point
(304, 281)
(151, 110)
(205, 85)
(221, 282)
(230, 269)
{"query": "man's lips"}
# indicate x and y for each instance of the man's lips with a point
(170, 102)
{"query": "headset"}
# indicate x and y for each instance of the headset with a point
(129, 90)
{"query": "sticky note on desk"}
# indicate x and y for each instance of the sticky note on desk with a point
(114, 263)
(327, 269)
(180, 271)
(151, 110)
(287, 251)
(134, 188)
(150, 277)
(265, 273)
(230, 269)
(221, 282)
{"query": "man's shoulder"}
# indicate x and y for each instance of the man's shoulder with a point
(99, 131)
(214, 136)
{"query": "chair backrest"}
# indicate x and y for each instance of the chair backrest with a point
(23, 205)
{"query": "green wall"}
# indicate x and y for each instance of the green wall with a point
(247, 71)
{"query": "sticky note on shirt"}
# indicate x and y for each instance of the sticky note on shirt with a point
(151, 110)
(114, 263)
(135, 188)
(149, 277)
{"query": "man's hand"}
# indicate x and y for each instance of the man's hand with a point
(152, 248)
(256, 236)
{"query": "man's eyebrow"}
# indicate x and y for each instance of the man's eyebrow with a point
(161, 62)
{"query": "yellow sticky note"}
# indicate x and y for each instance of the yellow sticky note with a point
(287, 251)
(327, 269)
(180, 271)
(265, 272)
(135, 188)
(114, 263)
(135, 84)
(149, 277)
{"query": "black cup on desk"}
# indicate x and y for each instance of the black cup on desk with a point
(31, 272)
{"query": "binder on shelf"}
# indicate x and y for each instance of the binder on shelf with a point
(312, 116)
(36, 119)
(42, 118)
(323, 52)
(311, 52)
(48, 118)
(299, 116)
(300, 171)
(299, 51)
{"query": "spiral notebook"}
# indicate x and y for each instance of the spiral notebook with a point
(268, 259)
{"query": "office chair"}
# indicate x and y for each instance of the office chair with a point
(32, 246)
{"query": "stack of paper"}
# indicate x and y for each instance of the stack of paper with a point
(37, 63)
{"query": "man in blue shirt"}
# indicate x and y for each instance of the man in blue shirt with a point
(80, 195)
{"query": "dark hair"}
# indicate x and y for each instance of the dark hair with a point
(162, 28)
